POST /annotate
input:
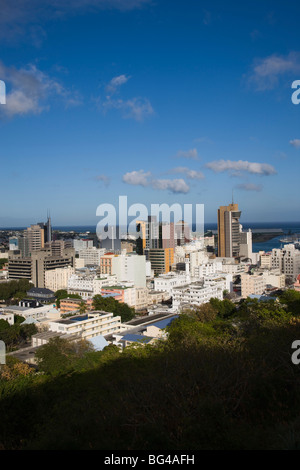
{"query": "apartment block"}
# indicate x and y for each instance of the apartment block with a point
(35, 266)
(161, 260)
(89, 325)
(57, 279)
(130, 268)
(252, 284)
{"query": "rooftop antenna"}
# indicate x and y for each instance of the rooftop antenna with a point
(232, 196)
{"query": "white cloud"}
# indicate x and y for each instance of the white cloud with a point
(137, 178)
(220, 166)
(249, 187)
(142, 178)
(175, 186)
(192, 154)
(295, 143)
(136, 108)
(115, 83)
(29, 91)
(191, 174)
(266, 72)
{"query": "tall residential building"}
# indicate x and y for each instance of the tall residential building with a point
(287, 260)
(106, 263)
(36, 238)
(130, 268)
(82, 244)
(252, 284)
(229, 231)
(245, 244)
(56, 279)
(157, 235)
(91, 255)
(161, 259)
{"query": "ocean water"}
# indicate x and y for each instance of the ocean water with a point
(285, 227)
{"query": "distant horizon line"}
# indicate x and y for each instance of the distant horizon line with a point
(90, 225)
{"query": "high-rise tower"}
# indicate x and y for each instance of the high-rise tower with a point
(49, 228)
(229, 231)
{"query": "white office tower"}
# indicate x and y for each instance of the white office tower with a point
(82, 244)
(130, 267)
(245, 244)
(56, 279)
(287, 260)
(91, 255)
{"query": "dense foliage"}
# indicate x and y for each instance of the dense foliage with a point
(13, 291)
(17, 335)
(109, 304)
(223, 379)
(63, 294)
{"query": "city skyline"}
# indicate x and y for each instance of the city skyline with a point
(159, 101)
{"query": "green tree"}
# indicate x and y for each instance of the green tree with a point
(224, 308)
(82, 307)
(109, 304)
(59, 355)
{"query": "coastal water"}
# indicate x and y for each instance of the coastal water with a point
(284, 229)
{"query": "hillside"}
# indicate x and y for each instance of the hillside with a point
(224, 379)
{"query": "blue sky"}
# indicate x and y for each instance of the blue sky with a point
(162, 101)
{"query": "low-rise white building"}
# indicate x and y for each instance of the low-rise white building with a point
(87, 286)
(88, 325)
(198, 293)
(167, 282)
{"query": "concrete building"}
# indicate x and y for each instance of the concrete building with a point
(265, 260)
(91, 255)
(167, 282)
(130, 268)
(245, 244)
(36, 238)
(198, 293)
(82, 244)
(42, 262)
(161, 260)
(89, 325)
(87, 286)
(34, 267)
(252, 284)
(7, 316)
(287, 260)
(125, 293)
(229, 231)
(69, 305)
(106, 263)
(57, 279)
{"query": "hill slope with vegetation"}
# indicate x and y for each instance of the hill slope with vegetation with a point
(224, 379)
